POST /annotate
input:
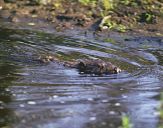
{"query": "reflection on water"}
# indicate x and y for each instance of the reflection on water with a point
(6, 79)
(51, 95)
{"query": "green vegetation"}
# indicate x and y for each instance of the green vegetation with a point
(118, 15)
(110, 40)
(40, 2)
(161, 112)
(106, 7)
(109, 9)
(107, 22)
(126, 122)
(161, 107)
(147, 17)
(87, 2)
(108, 4)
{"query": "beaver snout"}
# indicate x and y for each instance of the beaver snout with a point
(117, 70)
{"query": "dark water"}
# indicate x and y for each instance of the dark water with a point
(35, 95)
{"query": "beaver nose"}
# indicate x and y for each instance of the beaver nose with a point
(117, 70)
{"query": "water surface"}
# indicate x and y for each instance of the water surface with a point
(37, 95)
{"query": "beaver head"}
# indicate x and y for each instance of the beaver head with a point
(97, 67)
(108, 68)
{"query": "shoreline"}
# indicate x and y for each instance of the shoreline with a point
(48, 19)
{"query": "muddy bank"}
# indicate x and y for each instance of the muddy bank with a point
(64, 15)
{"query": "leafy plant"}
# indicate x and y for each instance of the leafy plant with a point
(108, 4)
(147, 17)
(85, 2)
(88, 2)
(126, 2)
(107, 22)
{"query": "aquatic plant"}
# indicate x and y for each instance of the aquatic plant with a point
(126, 122)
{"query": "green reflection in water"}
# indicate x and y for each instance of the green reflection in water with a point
(7, 71)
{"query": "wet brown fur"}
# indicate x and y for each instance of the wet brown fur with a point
(88, 66)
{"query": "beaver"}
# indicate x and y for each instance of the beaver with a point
(86, 66)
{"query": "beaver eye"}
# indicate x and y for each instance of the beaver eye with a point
(98, 65)
(101, 66)
(82, 64)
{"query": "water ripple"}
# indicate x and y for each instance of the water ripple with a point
(46, 95)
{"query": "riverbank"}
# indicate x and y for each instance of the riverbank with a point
(131, 18)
